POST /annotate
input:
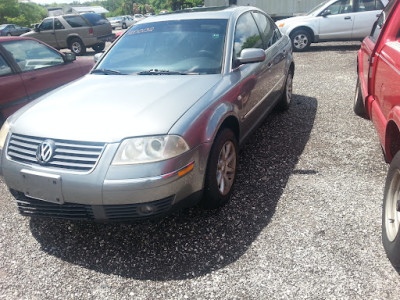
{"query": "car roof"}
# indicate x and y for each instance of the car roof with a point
(225, 12)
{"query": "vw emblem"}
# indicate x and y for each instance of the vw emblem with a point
(45, 151)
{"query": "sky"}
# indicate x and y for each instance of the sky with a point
(56, 1)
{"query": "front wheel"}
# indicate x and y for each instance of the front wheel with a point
(301, 40)
(391, 213)
(221, 170)
(77, 46)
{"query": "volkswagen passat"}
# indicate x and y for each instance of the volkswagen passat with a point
(157, 123)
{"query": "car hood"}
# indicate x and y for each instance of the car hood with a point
(109, 108)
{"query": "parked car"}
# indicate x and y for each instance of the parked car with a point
(378, 97)
(75, 32)
(121, 22)
(138, 17)
(333, 20)
(156, 125)
(30, 68)
(12, 29)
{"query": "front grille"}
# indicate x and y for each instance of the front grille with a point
(69, 155)
(37, 208)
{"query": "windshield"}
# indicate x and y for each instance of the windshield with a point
(317, 8)
(169, 47)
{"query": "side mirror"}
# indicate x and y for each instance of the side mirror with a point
(326, 13)
(250, 55)
(97, 56)
(70, 57)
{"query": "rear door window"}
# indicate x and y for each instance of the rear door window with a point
(368, 5)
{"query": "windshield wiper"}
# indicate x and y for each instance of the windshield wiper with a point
(107, 72)
(164, 72)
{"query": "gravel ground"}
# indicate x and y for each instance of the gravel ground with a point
(304, 221)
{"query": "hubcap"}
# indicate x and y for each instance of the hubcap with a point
(392, 215)
(76, 47)
(226, 168)
(300, 41)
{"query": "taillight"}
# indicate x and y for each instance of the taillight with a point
(91, 31)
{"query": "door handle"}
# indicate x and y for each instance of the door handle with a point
(347, 18)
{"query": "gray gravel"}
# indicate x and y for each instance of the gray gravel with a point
(304, 221)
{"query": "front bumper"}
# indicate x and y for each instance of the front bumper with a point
(107, 192)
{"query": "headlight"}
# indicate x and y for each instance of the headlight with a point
(149, 149)
(3, 134)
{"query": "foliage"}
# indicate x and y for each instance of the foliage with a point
(24, 14)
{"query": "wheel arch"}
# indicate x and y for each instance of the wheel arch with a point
(392, 140)
(303, 27)
(71, 37)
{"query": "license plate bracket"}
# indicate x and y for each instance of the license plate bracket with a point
(42, 186)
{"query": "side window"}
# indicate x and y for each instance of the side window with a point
(32, 55)
(268, 29)
(75, 21)
(47, 24)
(5, 69)
(341, 7)
(368, 5)
(58, 24)
(246, 35)
(95, 19)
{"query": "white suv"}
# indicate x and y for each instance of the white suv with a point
(332, 20)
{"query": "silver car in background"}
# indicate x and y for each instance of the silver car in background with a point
(157, 123)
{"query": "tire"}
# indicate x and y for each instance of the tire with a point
(9, 34)
(124, 26)
(391, 213)
(221, 170)
(358, 105)
(301, 40)
(77, 46)
(286, 98)
(99, 47)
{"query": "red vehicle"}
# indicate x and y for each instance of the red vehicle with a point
(30, 68)
(378, 97)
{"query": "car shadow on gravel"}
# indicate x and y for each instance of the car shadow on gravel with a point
(195, 242)
(329, 46)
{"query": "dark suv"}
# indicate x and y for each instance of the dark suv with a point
(75, 32)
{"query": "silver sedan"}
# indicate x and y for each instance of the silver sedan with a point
(157, 123)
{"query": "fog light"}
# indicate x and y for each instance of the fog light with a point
(147, 209)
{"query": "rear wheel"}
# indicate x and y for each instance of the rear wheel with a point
(391, 213)
(77, 46)
(124, 26)
(221, 170)
(358, 105)
(99, 47)
(301, 40)
(9, 34)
